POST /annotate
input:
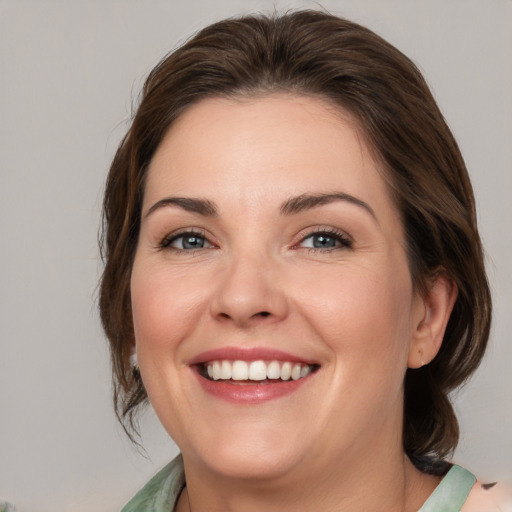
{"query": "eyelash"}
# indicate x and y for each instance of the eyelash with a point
(344, 241)
(338, 236)
(167, 242)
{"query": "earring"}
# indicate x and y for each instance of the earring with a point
(135, 366)
(422, 359)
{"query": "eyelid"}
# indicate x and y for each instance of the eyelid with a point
(167, 240)
(343, 237)
(345, 240)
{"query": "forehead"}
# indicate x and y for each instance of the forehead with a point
(253, 149)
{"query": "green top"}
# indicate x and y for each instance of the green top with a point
(452, 492)
(161, 493)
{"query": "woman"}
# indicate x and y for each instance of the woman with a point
(292, 254)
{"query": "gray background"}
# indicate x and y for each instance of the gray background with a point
(68, 73)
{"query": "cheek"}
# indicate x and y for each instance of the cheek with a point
(363, 315)
(166, 309)
(165, 306)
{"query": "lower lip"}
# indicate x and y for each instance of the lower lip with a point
(250, 393)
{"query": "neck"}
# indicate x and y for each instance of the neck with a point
(387, 483)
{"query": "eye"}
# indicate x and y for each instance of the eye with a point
(187, 241)
(326, 240)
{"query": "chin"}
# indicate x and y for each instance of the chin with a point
(256, 453)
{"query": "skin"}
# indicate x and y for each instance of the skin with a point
(258, 282)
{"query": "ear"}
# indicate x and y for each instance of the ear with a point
(430, 317)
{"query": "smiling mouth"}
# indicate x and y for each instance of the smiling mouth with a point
(252, 372)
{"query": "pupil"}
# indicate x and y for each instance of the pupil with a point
(322, 241)
(193, 242)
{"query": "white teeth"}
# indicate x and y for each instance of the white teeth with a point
(225, 370)
(257, 370)
(239, 370)
(305, 371)
(286, 371)
(274, 370)
(216, 370)
(296, 372)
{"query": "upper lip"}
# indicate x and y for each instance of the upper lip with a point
(247, 354)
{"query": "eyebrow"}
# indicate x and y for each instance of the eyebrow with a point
(189, 204)
(291, 206)
(303, 202)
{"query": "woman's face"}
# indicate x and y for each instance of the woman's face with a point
(269, 244)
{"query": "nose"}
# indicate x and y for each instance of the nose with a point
(250, 291)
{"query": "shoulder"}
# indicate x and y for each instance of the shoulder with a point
(489, 498)
(161, 492)
(460, 491)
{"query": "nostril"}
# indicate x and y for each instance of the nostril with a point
(263, 314)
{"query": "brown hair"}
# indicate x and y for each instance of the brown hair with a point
(315, 53)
